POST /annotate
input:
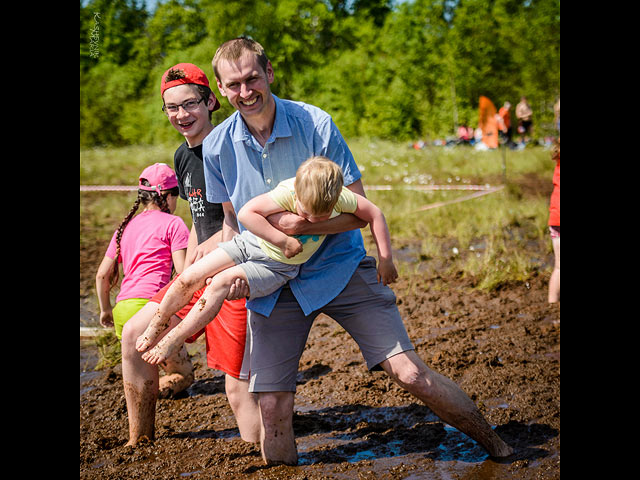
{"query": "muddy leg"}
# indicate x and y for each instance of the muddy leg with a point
(277, 440)
(205, 309)
(140, 379)
(141, 408)
(445, 398)
(178, 374)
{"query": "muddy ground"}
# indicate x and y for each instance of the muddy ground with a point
(502, 347)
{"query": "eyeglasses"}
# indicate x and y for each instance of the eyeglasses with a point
(189, 106)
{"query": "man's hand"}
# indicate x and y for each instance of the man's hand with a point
(239, 289)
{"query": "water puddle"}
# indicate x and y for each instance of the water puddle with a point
(88, 361)
(355, 433)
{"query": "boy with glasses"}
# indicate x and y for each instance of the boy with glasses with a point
(189, 103)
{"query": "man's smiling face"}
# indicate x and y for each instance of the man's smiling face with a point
(246, 85)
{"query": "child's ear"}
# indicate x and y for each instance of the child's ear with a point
(211, 103)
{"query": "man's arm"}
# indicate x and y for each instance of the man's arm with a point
(191, 246)
(195, 252)
(253, 216)
(230, 224)
(239, 289)
(293, 224)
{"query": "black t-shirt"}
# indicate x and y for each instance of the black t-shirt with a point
(207, 217)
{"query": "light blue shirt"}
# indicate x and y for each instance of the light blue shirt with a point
(237, 168)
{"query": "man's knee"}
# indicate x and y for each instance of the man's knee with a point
(408, 369)
(276, 407)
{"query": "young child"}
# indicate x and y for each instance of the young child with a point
(148, 246)
(263, 256)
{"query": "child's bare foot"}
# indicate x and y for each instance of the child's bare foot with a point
(163, 350)
(173, 383)
(151, 333)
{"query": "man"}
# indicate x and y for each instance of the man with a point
(262, 143)
(189, 102)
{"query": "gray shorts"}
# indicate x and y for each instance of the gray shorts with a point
(264, 274)
(366, 309)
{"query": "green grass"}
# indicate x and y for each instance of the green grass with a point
(496, 238)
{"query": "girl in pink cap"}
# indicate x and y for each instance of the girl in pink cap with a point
(149, 246)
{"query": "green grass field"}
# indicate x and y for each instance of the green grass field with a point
(496, 238)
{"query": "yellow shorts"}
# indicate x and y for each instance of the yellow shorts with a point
(124, 310)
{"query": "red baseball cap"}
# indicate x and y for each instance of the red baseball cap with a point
(185, 73)
(160, 177)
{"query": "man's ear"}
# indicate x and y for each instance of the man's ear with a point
(220, 88)
(269, 72)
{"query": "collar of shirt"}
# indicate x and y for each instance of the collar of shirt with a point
(281, 129)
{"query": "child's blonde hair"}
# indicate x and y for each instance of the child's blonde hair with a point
(318, 184)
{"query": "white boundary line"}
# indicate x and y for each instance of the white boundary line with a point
(107, 188)
(128, 188)
(461, 199)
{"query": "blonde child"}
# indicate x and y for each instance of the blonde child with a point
(263, 256)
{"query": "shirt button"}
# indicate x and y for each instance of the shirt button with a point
(268, 180)
(264, 155)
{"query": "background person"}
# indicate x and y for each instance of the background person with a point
(524, 114)
(554, 227)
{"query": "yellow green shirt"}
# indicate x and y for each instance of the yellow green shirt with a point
(285, 196)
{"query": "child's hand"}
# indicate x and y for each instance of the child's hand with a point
(387, 271)
(292, 247)
(106, 319)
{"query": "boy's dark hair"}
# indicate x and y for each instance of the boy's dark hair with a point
(204, 91)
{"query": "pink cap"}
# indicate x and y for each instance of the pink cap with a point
(160, 177)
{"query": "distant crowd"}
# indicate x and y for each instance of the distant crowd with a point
(482, 137)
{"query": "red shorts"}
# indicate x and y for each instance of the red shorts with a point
(225, 335)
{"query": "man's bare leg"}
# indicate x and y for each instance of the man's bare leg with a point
(245, 408)
(277, 440)
(445, 398)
